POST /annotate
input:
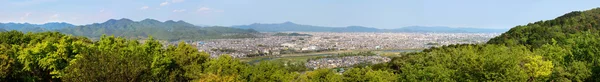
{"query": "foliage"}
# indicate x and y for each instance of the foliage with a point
(368, 75)
(267, 71)
(321, 75)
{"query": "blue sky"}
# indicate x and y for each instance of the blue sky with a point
(370, 13)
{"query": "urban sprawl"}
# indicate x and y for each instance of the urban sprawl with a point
(269, 45)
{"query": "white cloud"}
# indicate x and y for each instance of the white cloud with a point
(218, 11)
(102, 10)
(25, 16)
(204, 9)
(164, 3)
(177, 1)
(208, 10)
(54, 16)
(144, 7)
(180, 10)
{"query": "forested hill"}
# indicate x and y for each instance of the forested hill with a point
(559, 29)
(293, 27)
(27, 27)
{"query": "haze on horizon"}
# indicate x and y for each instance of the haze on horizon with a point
(372, 13)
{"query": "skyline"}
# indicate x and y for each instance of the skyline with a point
(377, 13)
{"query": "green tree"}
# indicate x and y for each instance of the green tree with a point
(321, 75)
(368, 75)
(181, 63)
(536, 67)
(224, 65)
(267, 71)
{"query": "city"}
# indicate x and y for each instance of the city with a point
(322, 41)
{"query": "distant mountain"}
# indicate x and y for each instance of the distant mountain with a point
(289, 26)
(445, 29)
(290, 34)
(168, 30)
(2, 30)
(26, 27)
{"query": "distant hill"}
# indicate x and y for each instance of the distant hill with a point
(2, 30)
(289, 26)
(293, 27)
(446, 29)
(168, 30)
(27, 27)
(290, 34)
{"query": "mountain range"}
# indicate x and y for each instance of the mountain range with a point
(293, 27)
(27, 27)
(168, 30)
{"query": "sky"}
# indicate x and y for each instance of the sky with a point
(498, 14)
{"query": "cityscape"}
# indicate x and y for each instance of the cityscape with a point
(328, 41)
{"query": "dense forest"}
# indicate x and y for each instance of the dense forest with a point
(563, 49)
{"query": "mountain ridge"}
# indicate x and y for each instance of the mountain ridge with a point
(168, 30)
(28, 27)
(127, 28)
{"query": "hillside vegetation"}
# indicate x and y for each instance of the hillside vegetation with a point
(561, 29)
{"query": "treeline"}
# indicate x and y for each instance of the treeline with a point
(52, 56)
